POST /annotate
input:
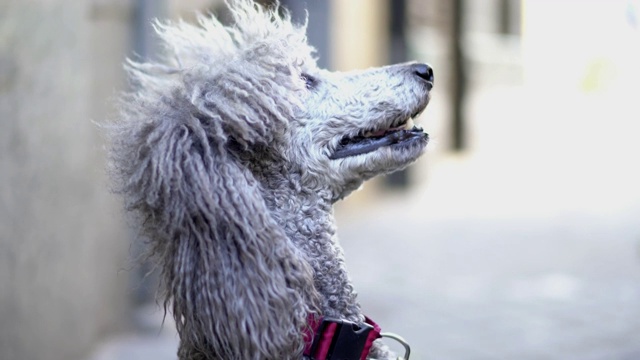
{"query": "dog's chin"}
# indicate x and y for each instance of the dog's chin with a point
(385, 159)
(352, 171)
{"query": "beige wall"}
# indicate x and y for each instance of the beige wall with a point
(186, 9)
(62, 243)
(359, 33)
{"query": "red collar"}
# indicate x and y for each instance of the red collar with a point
(329, 339)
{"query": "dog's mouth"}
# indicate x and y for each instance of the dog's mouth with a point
(405, 133)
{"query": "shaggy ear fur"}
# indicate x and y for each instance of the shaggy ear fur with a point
(229, 272)
(236, 286)
(230, 74)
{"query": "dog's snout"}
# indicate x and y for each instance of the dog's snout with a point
(424, 71)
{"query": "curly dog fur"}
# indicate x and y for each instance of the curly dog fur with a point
(225, 151)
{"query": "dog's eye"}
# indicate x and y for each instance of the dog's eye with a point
(309, 80)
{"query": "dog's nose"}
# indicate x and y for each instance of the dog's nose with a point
(424, 71)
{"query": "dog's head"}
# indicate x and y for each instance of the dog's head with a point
(256, 88)
(356, 125)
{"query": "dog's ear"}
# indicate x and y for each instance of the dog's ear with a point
(233, 75)
(236, 285)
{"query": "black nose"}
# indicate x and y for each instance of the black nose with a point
(424, 71)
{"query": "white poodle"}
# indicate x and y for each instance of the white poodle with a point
(231, 153)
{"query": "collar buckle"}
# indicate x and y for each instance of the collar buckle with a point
(336, 339)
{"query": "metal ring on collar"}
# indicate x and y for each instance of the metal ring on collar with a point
(398, 338)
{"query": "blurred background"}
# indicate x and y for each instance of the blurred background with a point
(517, 236)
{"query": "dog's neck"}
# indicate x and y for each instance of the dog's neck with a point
(306, 215)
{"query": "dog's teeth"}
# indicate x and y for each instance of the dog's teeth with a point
(409, 124)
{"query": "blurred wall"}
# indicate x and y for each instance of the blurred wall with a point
(62, 243)
(359, 33)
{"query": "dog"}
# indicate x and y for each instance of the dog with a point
(230, 153)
